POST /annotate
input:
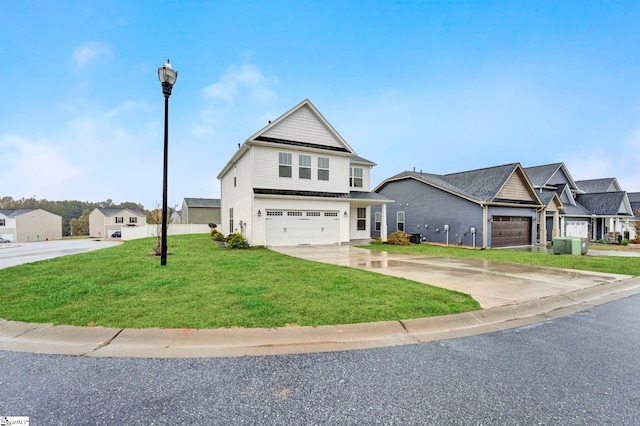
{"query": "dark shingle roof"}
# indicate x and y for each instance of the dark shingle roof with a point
(634, 197)
(113, 212)
(481, 184)
(602, 203)
(15, 212)
(546, 196)
(202, 202)
(359, 160)
(540, 175)
(358, 195)
(302, 144)
(595, 185)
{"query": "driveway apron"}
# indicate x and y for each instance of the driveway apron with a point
(490, 283)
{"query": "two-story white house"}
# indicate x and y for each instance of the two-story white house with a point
(297, 181)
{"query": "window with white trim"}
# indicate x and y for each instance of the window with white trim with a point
(304, 166)
(231, 220)
(362, 219)
(119, 219)
(133, 220)
(378, 220)
(355, 177)
(323, 168)
(285, 164)
(2, 222)
(400, 221)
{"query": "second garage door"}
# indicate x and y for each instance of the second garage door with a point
(510, 231)
(293, 227)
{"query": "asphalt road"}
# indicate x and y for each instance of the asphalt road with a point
(13, 254)
(576, 370)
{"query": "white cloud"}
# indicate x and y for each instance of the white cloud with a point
(37, 168)
(89, 52)
(237, 93)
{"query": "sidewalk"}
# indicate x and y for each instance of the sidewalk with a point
(512, 297)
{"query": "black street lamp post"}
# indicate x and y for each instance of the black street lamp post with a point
(167, 77)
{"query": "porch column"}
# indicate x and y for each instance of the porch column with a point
(383, 225)
(561, 230)
(555, 232)
(543, 227)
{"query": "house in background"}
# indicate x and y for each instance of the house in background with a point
(104, 222)
(297, 181)
(200, 210)
(634, 200)
(592, 208)
(490, 207)
(29, 225)
(176, 217)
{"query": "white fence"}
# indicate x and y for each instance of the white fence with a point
(144, 231)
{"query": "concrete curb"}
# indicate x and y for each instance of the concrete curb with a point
(191, 343)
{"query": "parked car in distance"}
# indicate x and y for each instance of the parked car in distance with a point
(116, 234)
(2, 240)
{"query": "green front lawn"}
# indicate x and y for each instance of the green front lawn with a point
(206, 286)
(608, 264)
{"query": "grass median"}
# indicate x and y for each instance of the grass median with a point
(206, 286)
(607, 264)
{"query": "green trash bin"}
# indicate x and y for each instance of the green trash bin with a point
(560, 245)
(576, 246)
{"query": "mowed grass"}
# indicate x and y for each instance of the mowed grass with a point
(607, 264)
(206, 286)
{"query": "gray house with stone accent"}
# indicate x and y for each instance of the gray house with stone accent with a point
(490, 207)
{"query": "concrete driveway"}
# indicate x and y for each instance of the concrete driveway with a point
(13, 254)
(490, 283)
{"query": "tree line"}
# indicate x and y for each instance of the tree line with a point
(75, 214)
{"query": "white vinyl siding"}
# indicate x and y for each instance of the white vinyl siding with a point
(303, 126)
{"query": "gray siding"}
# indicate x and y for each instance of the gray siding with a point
(426, 205)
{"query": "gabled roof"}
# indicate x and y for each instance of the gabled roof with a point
(548, 197)
(599, 185)
(202, 202)
(543, 176)
(15, 212)
(113, 212)
(480, 186)
(604, 203)
(314, 124)
(634, 197)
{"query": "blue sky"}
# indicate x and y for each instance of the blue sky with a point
(442, 86)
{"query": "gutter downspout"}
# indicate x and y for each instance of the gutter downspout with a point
(485, 225)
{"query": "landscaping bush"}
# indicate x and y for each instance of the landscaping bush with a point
(217, 235)
(236, 241)
(624, 242)
(399, 238)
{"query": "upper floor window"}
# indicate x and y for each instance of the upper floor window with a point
(304, 166)
(133, 220)
(285, 164)
(119, 219)
(323, 168)
(2, 222)
(355, 177)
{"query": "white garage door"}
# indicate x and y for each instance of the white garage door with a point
(576, 229)
(293, 227)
